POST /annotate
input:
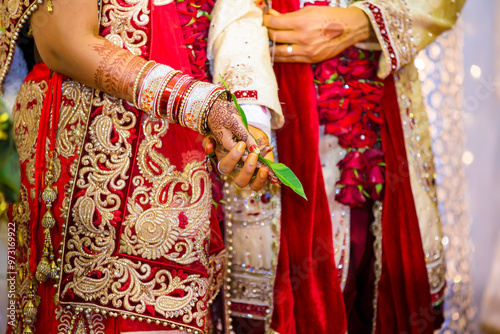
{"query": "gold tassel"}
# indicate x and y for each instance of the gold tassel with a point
(30, 310)
(47, 267)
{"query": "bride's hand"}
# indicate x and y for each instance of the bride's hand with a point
(231, 162)
(224, 121)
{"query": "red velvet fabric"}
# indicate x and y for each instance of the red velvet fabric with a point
(47, 124)
(308, 298)
(404, 303)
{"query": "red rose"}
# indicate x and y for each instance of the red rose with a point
(332, 110)
(350, 195)
(376, 192)
(326, 70)
(376, 175)
(374, 156)
(345, 140)
(374, 116)
(351, 177)
(353, 117)
(352, 53)
(334, 90)
(353, 160)
(356, 69)
(364, 138)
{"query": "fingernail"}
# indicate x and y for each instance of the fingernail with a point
(240, 147)
(263, 172)
(253, 159)
(254, 149)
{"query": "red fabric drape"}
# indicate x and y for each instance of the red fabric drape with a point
(404, 303)
(308, 298)
(48, 124)
(307, 293)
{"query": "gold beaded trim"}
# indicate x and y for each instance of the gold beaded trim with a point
(19, 25)
(136, 83)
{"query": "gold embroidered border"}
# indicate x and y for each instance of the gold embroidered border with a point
(247, 283)
(14, 15)
(418, 144)
(377, 266)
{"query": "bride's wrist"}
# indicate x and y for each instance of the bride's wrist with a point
(165, 93)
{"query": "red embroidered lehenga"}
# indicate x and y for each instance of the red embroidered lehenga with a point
(136, 243)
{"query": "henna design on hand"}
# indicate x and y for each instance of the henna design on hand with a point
(224, 115)
(117, 70)
(333, 29)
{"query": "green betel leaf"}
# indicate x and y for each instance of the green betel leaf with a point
(285, 175)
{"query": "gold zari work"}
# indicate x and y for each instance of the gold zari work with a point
(166, 219)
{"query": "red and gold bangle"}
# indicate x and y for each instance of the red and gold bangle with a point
(186, 99)
(165, 94)
(162, 90)
(165, 108)
(176, 86)
(179, 98)
(150, 88)
(138, 79)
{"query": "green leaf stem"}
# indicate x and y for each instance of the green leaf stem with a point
(283, 173)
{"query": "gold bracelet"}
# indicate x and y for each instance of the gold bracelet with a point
(136, 83)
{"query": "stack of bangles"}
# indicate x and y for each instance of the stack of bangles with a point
(169, 94)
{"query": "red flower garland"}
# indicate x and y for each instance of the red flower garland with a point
(349, 99)
(194, 18)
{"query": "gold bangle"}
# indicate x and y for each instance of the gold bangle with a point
(136, 83)
(187, 92)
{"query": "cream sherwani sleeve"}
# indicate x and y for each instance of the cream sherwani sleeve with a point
(405, 27)
(238, 49)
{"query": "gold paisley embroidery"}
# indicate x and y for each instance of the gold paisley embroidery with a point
(13, 15)
(73, 114)
(77, 322)
(117, 284)
(123, 18)
(174, 218)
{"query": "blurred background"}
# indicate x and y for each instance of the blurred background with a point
(460, 76)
